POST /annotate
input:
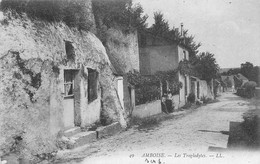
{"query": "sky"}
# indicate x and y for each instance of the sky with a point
(230, 29)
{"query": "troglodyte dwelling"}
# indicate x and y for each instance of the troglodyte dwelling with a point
(53, 78)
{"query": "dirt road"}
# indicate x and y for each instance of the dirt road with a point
(193, 133)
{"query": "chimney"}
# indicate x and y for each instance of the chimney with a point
(182, 35)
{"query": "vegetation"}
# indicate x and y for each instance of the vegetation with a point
(206, 66)
(248, 70)
(117, 14)
(247, 90)
(172, 78)
(251, 126)
(191, 98)
(161, 28)
(147, 88)
(73, 13)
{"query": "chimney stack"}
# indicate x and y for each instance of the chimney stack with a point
(182, 35)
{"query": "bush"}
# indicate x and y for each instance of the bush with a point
(191, 98)
(205, 100)
(147, 93)
(74, 14)
(247, 90)
(187, 105)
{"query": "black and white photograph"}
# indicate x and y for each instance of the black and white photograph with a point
(129, 81)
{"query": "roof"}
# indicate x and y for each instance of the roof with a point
(240, 76)
(221, 70)
(166, 40)
(217, 81)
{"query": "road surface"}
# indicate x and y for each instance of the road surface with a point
(193, 134)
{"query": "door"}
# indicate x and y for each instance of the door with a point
(69, 98)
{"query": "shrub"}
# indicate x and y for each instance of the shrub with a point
(251, 125)
(247, 90)
(74, 14)
(191, 98)
(147, 88)
(205, 100)
(147, 93)
(187, 105)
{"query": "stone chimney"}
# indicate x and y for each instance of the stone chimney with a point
(182, 34)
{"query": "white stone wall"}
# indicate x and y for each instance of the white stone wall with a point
(148, 109)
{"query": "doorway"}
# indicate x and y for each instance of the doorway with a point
(71, 94)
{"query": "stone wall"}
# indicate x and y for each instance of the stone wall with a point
(205, 90)
(148, 109)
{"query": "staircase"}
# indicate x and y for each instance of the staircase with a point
(75, 137)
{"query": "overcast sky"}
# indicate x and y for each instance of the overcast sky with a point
(228, 28)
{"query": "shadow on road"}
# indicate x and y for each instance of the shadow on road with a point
(211, 131)
(241, 137)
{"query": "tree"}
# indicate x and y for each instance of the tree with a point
(118, 14)
(160, 26)
(250, 71)
(206, 66)
(247, 69)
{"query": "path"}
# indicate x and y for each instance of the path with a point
(206, 127)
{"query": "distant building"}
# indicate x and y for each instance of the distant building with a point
(159, 54)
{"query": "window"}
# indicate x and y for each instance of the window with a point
(69, 76)
(184, 54)
(92, 84)
(70, 52)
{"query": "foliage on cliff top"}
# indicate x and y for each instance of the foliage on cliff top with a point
(73, 13)
(122, 14)
(161, 28)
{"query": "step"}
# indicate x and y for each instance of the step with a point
(83, 138)
(109, 130)
(72, 131)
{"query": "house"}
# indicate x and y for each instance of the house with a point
(229, 83)
(159, 54)
(62, 81)
(241, 78)
(232, 82)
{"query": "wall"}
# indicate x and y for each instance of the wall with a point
(181, 51)
(146, 110)
(158, 58)
(123, 50)
(176, 101)
(205, 90)
(183, 97)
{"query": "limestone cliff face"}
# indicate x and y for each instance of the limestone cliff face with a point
(32, 58)
(123, 50)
